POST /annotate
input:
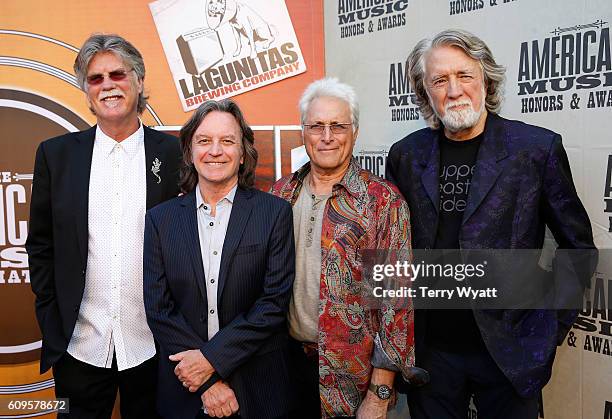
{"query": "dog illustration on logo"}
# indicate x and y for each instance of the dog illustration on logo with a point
(244, 21)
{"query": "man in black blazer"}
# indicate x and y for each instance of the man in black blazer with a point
(89, 196)
(219, 268)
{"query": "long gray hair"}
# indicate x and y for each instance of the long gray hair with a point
(246, 171)
(474, 47)
(131, 57)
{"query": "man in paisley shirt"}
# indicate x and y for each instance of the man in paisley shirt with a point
(475, 180)
(345, 353)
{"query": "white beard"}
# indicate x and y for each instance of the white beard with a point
(455, 120)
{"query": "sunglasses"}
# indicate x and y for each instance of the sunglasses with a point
(117, 75)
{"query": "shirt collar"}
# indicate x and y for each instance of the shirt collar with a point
(131, 145)
(229, 197)
(350, 181)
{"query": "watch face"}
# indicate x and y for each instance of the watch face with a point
(384, 392)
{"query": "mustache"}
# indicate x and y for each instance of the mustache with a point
(451, 105)
(108, 93)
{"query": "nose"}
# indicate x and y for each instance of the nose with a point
(215, 149)
(107, 83)
(455, 90)
(327, 134)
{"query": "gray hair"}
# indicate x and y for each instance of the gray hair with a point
(330, 87)
(246, 171)
(474, 47)
(130, 56)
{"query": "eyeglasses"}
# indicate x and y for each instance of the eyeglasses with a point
(116, 75)
(318, 129)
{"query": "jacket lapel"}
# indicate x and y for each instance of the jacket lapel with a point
(189, 226)
(241, 211)
(431, 175)
(154, 162)
(489, 163)
(80, 173)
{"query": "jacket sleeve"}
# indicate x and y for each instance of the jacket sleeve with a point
(167, 323)
(39, 246)
(236, 342)
(392, 164)
(396, 329)
(576, 257)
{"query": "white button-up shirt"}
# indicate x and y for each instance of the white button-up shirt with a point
(212, 236)
(112, 317)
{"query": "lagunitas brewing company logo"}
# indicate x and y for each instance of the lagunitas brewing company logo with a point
(357, 17)
(26, 120)
(401, 98)
(571, 68)
(608, 193)
(221, 48)
(374, 161)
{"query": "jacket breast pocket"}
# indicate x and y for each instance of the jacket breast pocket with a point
(241, 250)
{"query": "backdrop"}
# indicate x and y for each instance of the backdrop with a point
(559, 76)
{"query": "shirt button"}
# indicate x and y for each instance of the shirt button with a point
(310, 230)
(212, 311)
(312, 196)
(205, 207)
(212, 281)
(214, 252)
(211, 224)
(311, 218)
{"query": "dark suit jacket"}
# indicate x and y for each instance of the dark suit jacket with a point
(522, 183)
(255, 281)
(57, 239)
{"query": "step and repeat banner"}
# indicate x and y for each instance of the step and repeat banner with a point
(558, 58)
(261, 52)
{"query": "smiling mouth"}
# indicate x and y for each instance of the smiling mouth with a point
(215, 163)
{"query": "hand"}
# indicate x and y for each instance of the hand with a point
(220, 400)
(372, 407)
(193, 369)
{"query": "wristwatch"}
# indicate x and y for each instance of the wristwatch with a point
(382, 391)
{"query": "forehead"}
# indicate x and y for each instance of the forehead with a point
(328, 109)
(448, 60)
(105, 61)
(218, 123)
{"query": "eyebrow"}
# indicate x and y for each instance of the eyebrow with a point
(462, 71)
(120, 69)
(202, 136)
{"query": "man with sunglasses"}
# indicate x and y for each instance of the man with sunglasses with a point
(90, 192)
(344, 352)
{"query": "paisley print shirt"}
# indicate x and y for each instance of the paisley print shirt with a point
(363, 212)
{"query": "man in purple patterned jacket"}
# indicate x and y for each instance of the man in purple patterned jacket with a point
(475, 180)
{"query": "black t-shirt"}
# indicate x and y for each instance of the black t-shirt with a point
(454, 330)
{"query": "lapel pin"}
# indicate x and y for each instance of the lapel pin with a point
(155, 169)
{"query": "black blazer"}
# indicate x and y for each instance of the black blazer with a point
(57, 239)
(255, 281)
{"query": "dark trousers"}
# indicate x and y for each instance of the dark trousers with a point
(92, 390)
(455, 377)
(304, 375)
